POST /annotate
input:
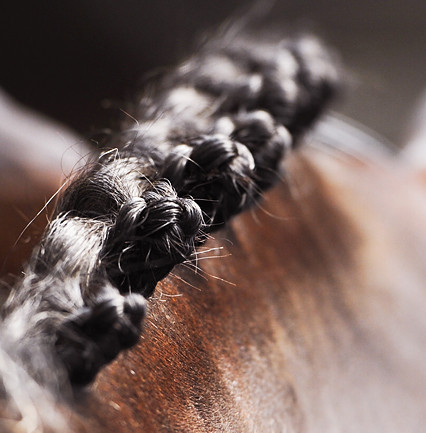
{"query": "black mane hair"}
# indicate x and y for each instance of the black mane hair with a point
(207, 141)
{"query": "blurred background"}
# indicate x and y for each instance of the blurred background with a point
(66, 58)
(77, 61)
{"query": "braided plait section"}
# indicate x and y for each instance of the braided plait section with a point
(216, 172)
(208, 142)
(151, 235)
(94, 336)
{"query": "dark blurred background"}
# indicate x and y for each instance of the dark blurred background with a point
(67, 58)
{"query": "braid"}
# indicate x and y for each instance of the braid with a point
(208, 142)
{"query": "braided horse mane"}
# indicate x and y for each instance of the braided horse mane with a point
(208, 140)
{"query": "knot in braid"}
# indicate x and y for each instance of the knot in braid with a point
(151, 234)
(96, 335)
(267, 140)
(216, 171)
(298, 83)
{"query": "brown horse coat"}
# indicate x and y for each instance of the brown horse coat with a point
(305, 315)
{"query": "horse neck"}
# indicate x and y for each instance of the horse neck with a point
(298, 316)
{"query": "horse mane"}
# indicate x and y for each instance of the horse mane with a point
(201, 145)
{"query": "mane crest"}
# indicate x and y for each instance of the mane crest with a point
(207, 144)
